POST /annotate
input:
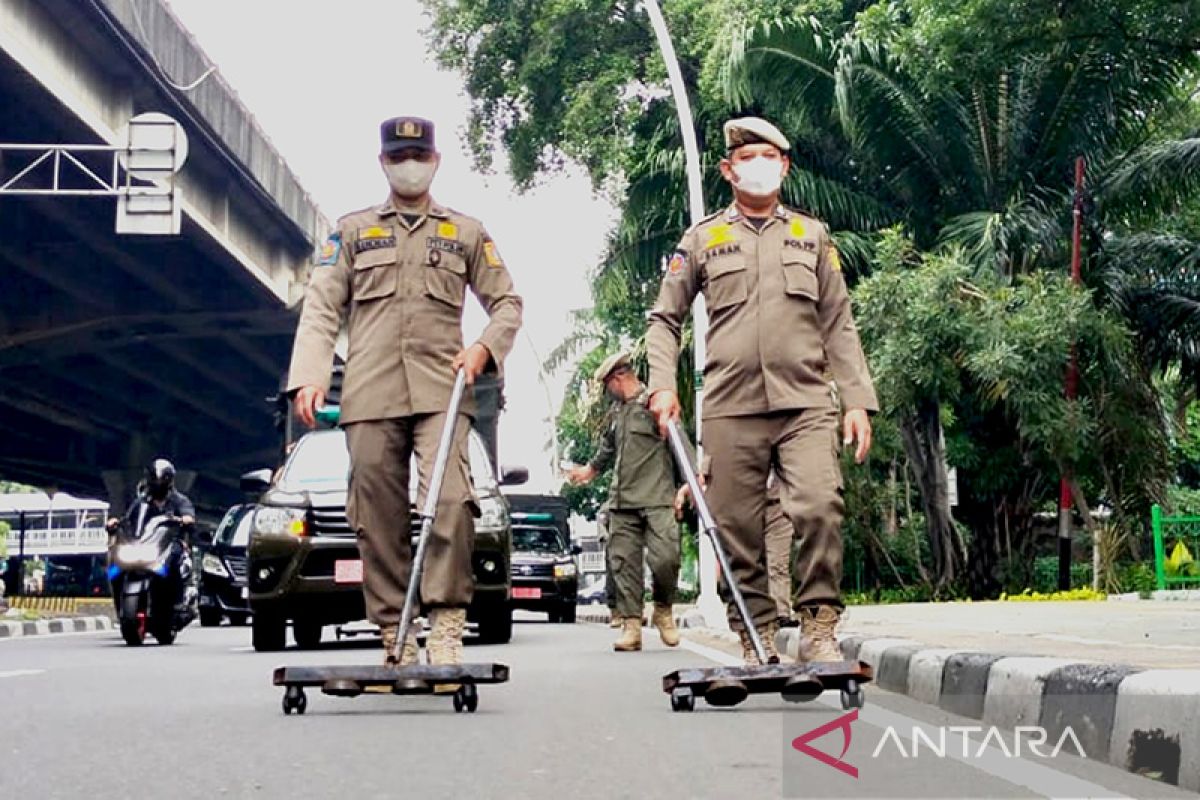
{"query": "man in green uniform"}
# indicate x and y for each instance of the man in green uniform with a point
(641, 518)
(779, 317)
(399, 272)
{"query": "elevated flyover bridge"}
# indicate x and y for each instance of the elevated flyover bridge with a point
(117, 348)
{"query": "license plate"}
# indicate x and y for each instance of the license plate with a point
(526, 593)
(348, 571)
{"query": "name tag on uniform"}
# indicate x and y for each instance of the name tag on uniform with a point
(374, 238)
(446, 245)
(801, 244)
(716, 252)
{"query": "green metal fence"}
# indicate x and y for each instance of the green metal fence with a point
(1176, 545)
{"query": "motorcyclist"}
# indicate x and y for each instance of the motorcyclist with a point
(159, 497)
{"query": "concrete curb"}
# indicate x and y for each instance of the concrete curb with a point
(12, 629)
(1107, 706)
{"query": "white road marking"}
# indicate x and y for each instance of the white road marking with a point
(16, 673)
(1043, 780)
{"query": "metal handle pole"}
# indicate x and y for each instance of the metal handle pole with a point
(710, 528)
(430, 509)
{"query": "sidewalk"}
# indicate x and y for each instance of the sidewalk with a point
(1146, 634)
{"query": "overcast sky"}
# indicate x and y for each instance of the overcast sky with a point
(320, 77)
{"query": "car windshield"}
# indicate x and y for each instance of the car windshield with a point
(321, 462)
(537, 540)
(236, 531)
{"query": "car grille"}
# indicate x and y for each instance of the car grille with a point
(331, 521)
(532, 570)
(238, 565)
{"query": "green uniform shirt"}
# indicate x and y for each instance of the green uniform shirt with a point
(643, 468)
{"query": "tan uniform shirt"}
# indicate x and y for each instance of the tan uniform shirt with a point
(401, 290)
(779, 316)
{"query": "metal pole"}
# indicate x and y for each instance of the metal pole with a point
(1072, 386)
(708, 601)
(20, 589)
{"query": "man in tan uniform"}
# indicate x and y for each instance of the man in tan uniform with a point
(640, 518)
(398, 272)
(779, 316)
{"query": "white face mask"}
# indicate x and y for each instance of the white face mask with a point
(410, 178)
(759, 177)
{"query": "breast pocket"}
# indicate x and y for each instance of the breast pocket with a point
(446, 280)
(376, 275)
(800, 275)
(726, 283)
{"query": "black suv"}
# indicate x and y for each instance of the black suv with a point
(304, 563)
(544, 573)
(223, 590)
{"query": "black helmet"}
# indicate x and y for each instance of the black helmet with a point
(160, 477)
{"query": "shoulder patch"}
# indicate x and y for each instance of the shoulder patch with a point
(491, 254)
(330, 250)
(677, 263)
(835, 260)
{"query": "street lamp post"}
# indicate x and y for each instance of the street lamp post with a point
(708, 601)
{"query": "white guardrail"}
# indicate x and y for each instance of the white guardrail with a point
(58, 541)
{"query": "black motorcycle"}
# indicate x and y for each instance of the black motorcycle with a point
(144, 570)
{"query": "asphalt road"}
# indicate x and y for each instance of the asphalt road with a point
(86, 716)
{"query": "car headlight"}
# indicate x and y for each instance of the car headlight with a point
(137, 553)
(276, 521)
(491, 513)
(564, 570)
(213, 566)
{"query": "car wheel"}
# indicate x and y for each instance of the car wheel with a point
(567, 614)
(554, 615)
(209, 618)
(269, 633)
(307, 634)
(495, 624)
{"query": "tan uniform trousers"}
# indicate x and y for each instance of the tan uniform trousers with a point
(379, 510)
(802, 446)
(632, 533)
(779, 533)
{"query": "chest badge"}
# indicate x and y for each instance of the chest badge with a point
(719, 235)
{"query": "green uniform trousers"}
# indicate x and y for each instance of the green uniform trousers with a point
(802, 446)
(379, 510)
(654, 532)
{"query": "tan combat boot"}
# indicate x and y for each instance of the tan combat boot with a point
(631, 636)
(749, 656)
(445, 641)
(614, 621)
(817, 626)
(409, 654)
(767, 634)
(664, 620)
